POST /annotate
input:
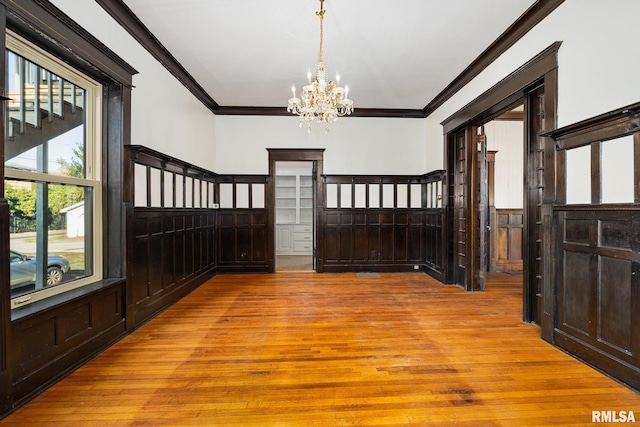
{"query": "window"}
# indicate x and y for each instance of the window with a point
(52, 171)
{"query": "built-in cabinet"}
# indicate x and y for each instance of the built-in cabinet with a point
(294, 213)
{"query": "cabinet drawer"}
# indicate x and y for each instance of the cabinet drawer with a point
(302, 228)
(302, 246)
(301, 236)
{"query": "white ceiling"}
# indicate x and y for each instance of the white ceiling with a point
(392, 54)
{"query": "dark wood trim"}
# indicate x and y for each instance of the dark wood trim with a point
(511, 116)
(47, 26)
(5, 279)
(127, 19)
(506, 92)
(116, 135)
(384, 179)
(130, 22)
(636, 168)
(514, 89)
(150, 157)
(596, 182)
(532, 17)
(41, 23)
(616, 123)
(282, 111)
(6, 377)
(315, 155)
(472, 197)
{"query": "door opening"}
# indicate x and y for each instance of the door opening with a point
(505, 187)
(294, 215)
(496, 201)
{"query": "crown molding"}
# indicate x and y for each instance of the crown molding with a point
(130, 22)
(532, 17)
(45, 25)
(282, 111)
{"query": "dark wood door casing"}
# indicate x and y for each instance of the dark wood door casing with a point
(481, 205)
(535, 186)
(539, 72)
(458, 203)
(315, 155)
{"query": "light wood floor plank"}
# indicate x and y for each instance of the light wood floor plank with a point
(333, 350)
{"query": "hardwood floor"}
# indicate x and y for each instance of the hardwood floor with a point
(294, 262)
(332, 350)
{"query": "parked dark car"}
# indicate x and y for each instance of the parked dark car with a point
(23, 269)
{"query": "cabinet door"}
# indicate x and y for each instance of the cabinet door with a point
(284, 239)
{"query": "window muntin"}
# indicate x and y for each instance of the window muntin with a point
(52, 164)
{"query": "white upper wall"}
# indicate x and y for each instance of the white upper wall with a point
(165, 115)
(354, 145)
(597, 69)
(596, 74)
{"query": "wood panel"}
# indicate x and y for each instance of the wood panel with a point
(311, 349)
(172, 251)
(47, 344)
(506, 240)
(435, 254)
(83, 321)
(539, 154)
(458, 206)
(598, 289)
(374, 239)
(242, 240)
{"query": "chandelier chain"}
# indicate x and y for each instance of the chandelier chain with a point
(320, 100)
(320, 15)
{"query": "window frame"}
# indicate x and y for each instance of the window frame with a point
(93, 161)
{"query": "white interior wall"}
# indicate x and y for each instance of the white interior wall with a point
(596, 74)
(596, 69)
(507, 138)
(354, 145)
(165, 115)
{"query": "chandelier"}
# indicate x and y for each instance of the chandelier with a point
(320, 100)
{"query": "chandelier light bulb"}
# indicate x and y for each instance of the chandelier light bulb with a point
(320, 100)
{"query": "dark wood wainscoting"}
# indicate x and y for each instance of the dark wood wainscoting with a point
(372, 239)
(383, 223)
(507, 227)
(597, 243)
(49, 343)
(434, 245)
(599, 289)
(172, 252)
(242, 239)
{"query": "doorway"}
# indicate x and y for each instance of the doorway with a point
(484, 238)
(294, 215)
(294, 199)
(505, 191)
(535, 85)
